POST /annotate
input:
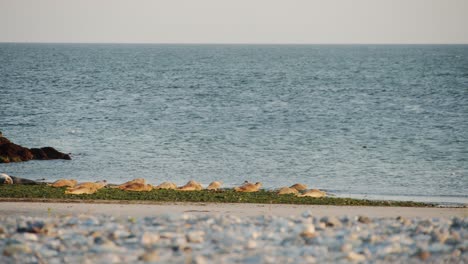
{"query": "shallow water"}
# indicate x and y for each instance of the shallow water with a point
(357, 119)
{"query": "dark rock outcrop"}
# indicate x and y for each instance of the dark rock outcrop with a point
(10, 152)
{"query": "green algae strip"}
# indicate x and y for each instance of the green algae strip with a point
(32, 192)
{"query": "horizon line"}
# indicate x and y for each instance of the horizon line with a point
(226, 43)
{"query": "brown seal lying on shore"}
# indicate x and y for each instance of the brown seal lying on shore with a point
(124, 185)
(299, 186)
(166, 186)
(82, 190)
(315, 193)
(86, 187)
(287, 190)
(137, 187)
(191, 186)
(248, 187)
(214, 185)
(63, 183)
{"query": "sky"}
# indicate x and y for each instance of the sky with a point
(235, 21)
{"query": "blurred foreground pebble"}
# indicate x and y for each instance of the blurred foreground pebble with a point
(229, 239)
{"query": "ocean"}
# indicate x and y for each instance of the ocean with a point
(355, 120)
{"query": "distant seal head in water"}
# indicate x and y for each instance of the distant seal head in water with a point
(5, 179)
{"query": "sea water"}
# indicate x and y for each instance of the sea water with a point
(364, 120)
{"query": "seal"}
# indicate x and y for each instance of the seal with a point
(166, 186)
(81, 190)
(248, 187)
(287, 190)
(299, 186)
(124, 185)
(191, 186)
(63, 183)
(98, 184)
(315, 193)
(137, 187)
(86, 187)
(214, 185)
(5, 179)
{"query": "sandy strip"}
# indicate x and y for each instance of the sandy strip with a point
(44, 209)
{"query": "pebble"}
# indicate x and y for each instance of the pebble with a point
(16, 249)
(364, 219)
(150, 256)
(309, 232)
(148, 239)
(195, 236)
(424, 255)
(356, 257)
(331, 221)
(231, 239)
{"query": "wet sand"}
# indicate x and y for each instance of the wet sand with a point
(119, 209)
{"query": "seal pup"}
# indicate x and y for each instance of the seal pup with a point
(287, 190)
(315, 193)
(299, 186)
(248, 187)
(214, 185)
(5, 179)
(137, 187)
(63, 183)
(191, 186)
(166, 186)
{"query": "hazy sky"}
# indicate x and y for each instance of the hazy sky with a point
(235, 21)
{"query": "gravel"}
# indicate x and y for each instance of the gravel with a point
(186, 238)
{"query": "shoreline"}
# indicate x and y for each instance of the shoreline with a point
(44, 208)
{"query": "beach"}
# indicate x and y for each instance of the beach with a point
(148, 209)
(116, 232)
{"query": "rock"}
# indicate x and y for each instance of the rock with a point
(15, 249)
(364, 219)
(331, 221)
(47, 153)
(31, 237)
(150, 256)
(424, 255)
(148, 239)
(10, 152)
(37, 227)
(346, 247)
(309, 232)
(199, 260)
(251, 244)
(195, 237)
(355, 257)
